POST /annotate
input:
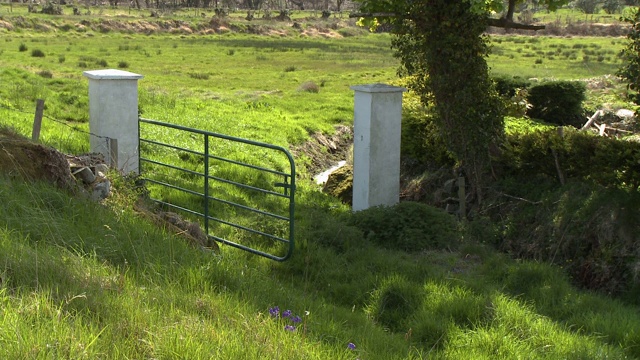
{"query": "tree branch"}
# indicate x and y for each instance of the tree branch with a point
(501, 23)
(508, 24)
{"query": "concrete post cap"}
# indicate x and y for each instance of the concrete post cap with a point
(111, 74)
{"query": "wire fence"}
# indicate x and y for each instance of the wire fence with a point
(68, 137)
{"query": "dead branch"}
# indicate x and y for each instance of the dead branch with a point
(501, 23)
(521, 199)
(598, 114)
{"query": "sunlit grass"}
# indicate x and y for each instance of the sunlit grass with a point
(83, 280)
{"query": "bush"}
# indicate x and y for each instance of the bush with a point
(582, 156)
(37, 53)
(590, 231)
(22, 47)
(408, 226)
(508, 86)
(123, 65)
(309, 86)
(587, 6)
(45, 74)
(421, 140)
(558, 102)
(611, 6)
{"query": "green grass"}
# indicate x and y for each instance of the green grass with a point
(555, 57)
(83, 280)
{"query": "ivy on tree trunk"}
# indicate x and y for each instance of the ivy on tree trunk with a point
(441, 47)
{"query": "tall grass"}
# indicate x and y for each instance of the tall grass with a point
(84, 280)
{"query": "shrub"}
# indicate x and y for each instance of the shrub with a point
(102, 62)
(61, 58)
(22, 47)
(408, 226)
(557, 102)
(37, 53)
(583, 156)
(199, 76)
(123, 64)
(309, 86)
(587, 6)
(45, 74)
(508, 86)
(82, 64)
(420, 137)
(589, 230)
(630, 70)
(290, 68)
(611, 6)
(52, 9)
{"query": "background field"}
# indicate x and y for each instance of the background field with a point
(84, 280)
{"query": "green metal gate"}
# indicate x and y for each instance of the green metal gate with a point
(241, 190)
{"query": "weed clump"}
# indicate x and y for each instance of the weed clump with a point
(309, 86)
(199, 76)
(45, 74)
(37, 53)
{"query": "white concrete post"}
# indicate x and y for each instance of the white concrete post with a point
(376, 145)
(113, 114)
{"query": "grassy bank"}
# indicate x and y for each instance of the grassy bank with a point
(82, 280)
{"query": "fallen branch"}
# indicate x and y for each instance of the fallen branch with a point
(521, 199)
(598, 114)
(501, 23)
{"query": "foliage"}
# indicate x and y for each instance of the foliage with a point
(611, 6)
(558, 102)
(508, 86)
(587, 6)
(583, 156)
(407, 226)
(440, 45)
(630, 71)
(589, 230)
(421, 138)
(51, 9)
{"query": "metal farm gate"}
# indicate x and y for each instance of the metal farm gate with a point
(242, 191)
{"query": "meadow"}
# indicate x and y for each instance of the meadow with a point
(85, 280)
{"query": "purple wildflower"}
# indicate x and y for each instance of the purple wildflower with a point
(286, 313)
(351, 346)
(289, 327)
(296, 319)
(274, 311)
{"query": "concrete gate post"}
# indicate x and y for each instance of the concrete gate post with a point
(376, 145)
(113, 114)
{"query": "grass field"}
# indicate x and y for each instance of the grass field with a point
(80, 280)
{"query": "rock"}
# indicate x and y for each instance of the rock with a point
(625, 114)
(101, 168)
(101, 190)
(85, 175)
(340, 184)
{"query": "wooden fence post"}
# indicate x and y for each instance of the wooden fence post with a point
(462, 198)
(113, 153)
(37, 120)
